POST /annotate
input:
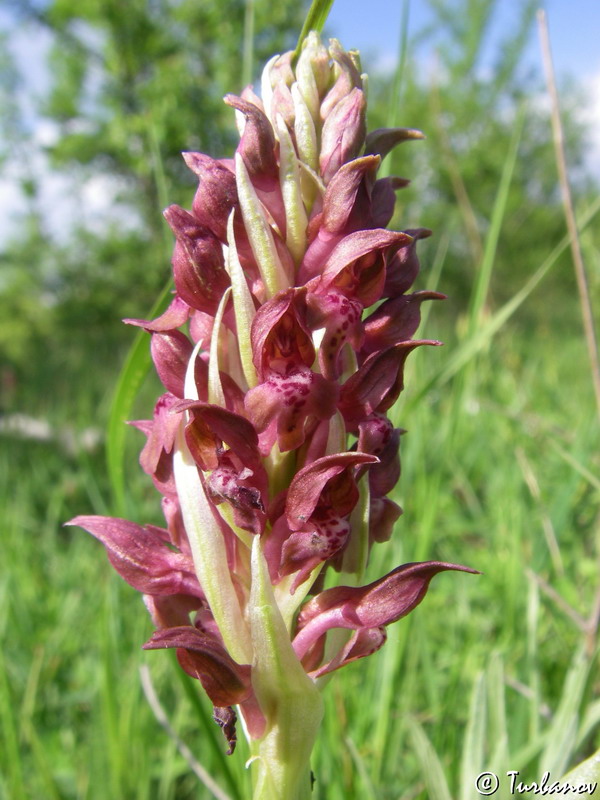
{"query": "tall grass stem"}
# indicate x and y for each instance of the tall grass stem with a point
(563, 177)
(183, 749)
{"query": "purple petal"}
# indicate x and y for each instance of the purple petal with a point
(174, 317)
(257, 145)
(383, 200)
(378, 382)
(340, 215)
(257, 148)
(342, 190)
(280, 337)
(142, 557)
(403, 267)
(363, 642)
(216, 194)
(322, 539)
(201, 656)
(357, 265)
(380, 603)
(280, 406)
(341, 318)
(171, 352)
(343, 134)
(383, 514)
(169, 611)
(309, 483)
(396, 320)
(161, 433)
(219, 424)
(382, 140)
(198, 265)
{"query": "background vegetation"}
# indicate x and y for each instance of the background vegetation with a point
(500, 465)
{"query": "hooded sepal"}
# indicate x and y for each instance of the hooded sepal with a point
(403, 267)
(198, 265)
(339, 208)
(376, 385)
(318, 504)
(383, 140)
(217, 192)
(396, 320)
(356, 266)
(280, 337)
(367, 607)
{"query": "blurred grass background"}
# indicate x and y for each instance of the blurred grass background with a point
(500, 462)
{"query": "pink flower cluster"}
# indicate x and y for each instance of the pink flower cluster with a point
(271, 445)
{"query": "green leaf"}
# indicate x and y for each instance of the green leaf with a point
(315, 19)
(484, 274)
(586, 772)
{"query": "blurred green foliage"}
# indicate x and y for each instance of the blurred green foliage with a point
(129, 91)
(468, 101)
(499, 466)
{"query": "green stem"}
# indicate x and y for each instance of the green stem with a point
(275, 776)
(288, 698)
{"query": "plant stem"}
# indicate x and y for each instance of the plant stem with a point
(561, 163)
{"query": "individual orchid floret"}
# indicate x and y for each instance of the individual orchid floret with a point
(364, 609)
(281, 353)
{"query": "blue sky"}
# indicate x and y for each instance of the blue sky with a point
(373, 26)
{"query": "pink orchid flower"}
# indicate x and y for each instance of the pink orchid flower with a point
(271, 445)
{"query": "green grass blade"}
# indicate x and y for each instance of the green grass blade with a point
(484, 275)
(563, 731)
(10, 736)
(472, 345)
(586, 772)
(590, 722)
(474, 740)
(498, 724)
(533, 670)
(213, 734)
(248, 46)
(431, 766)
(315, 19)
(368, 791)
(589, 476)
(136, 367)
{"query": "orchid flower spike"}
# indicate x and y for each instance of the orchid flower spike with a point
(271, 445)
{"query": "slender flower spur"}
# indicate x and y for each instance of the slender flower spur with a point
(271, 445)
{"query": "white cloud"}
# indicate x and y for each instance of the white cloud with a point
(591, 116)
